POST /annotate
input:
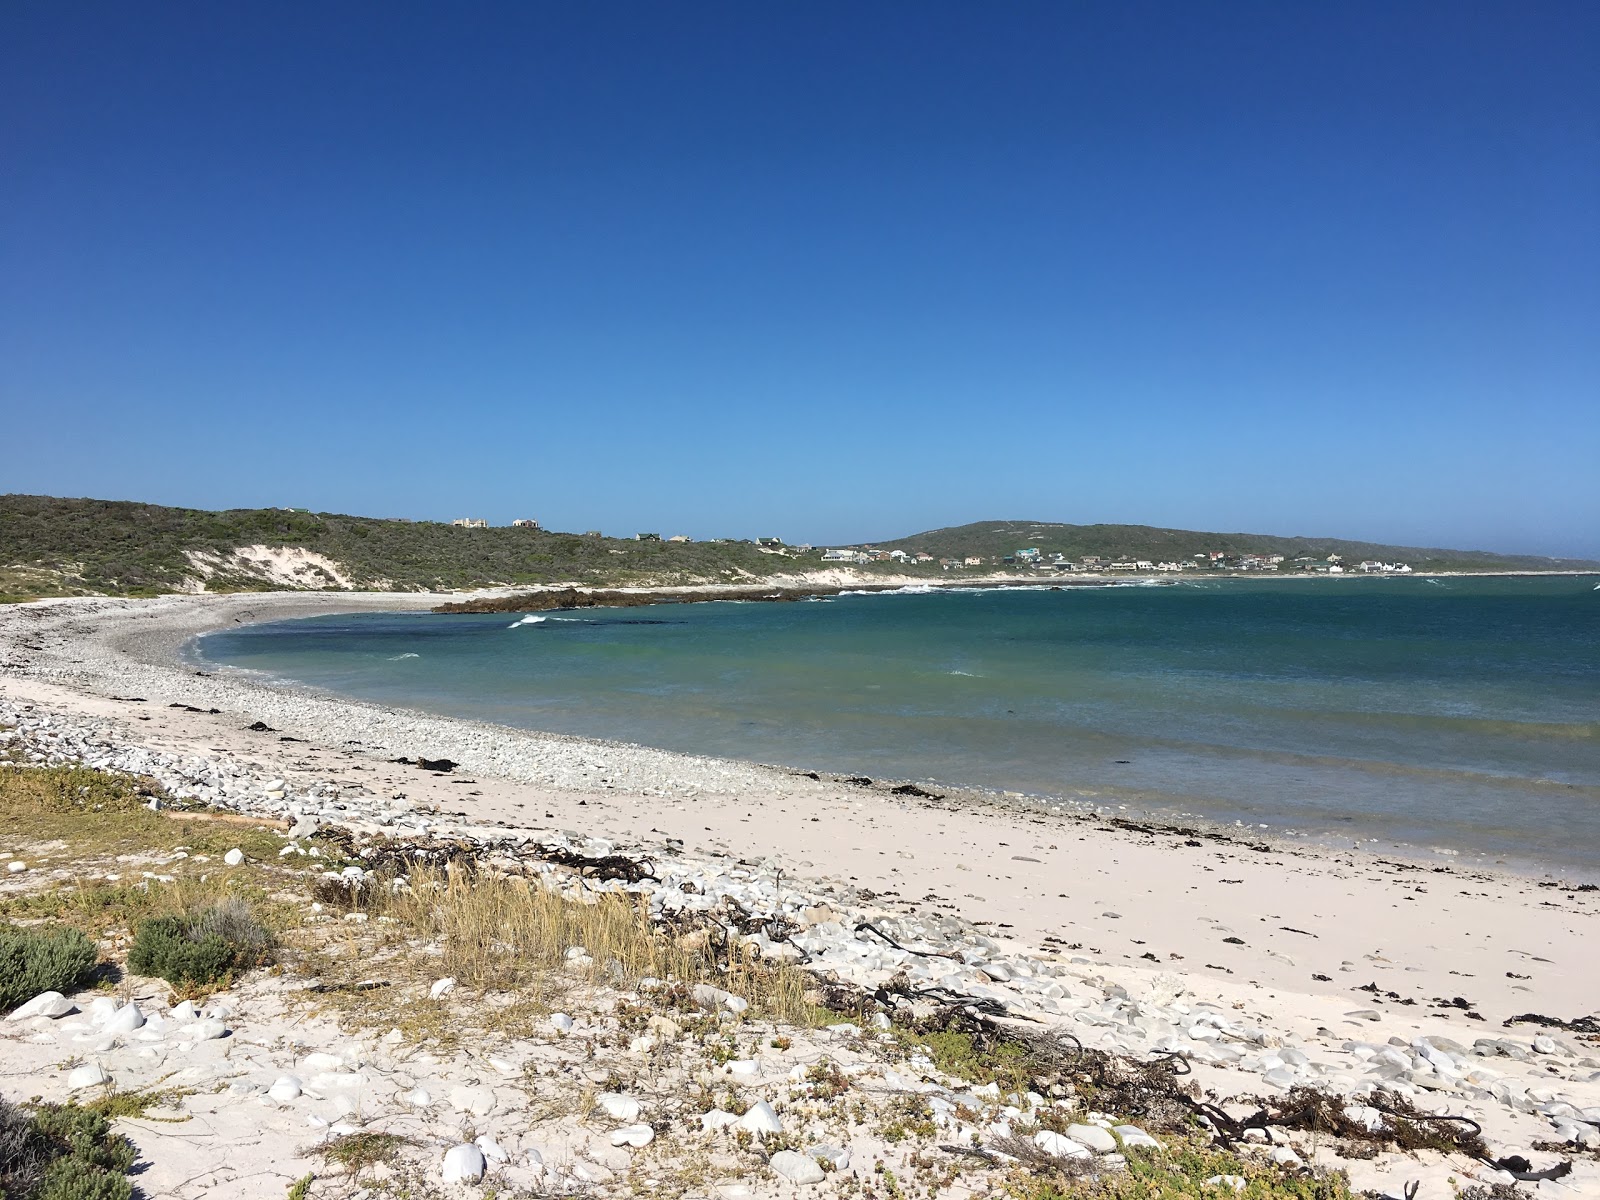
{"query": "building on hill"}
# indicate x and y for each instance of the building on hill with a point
(846, 556)
(769, 542)
(974, 561)
(470, 523)
(594, 533)
(524, 523)
(647, 537)
(680, 537)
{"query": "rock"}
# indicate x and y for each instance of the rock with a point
(233, 857)
(713, 998)
(206, 1031)
(87, 1076)
(441, 987)
(759, 1119)
(463, 1164)
(45, 1004)
(1132, 1135)
(479, 1101)
(797, 1168)
(1285, 1157)
(16, 867)
(831, 1156)
(419, 1098)
(1093, 1137)
(716, 1119)
(1236, 1182)
(286, 1088)
(561, 1023)
(618, 1106)
(495, 1152)
(1054, 1144)
(124, 1020)
(1544, 1045)
(637, 1136)
(184, 1012)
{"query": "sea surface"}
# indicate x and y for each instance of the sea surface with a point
(1449, 713)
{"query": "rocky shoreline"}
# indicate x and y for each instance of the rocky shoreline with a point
(71, 692)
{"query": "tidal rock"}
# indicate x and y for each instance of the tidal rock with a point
(45, 1004)
(463, 1164)
(797, 1168)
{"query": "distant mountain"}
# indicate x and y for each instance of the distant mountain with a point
(997, 539)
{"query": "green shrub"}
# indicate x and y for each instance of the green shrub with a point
(41, 960)
(203, 948)
(61, 1152)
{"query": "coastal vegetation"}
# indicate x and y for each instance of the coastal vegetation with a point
(52, 546)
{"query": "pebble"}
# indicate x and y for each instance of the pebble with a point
(463, 1164)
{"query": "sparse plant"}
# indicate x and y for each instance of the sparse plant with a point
(61, 1152)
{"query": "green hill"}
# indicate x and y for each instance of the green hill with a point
(997, 539)
(51, 546)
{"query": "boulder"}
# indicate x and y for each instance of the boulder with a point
(45, 1004)
(87, 1076)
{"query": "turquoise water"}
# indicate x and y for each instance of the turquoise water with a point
(1457, 712)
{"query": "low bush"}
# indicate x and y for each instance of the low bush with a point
(203, 948)
(61, 1152)
(34, 960)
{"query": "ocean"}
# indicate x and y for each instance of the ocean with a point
(1459, 713)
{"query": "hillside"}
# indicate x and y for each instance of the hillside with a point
(52, 546)
(996, 539)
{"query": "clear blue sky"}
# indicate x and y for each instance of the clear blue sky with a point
(834, 271)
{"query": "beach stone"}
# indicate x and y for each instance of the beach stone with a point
(1093, 1137)
(637, 1136)
(797, 1168)
(1132, 1135)
(418, 1098)
(717, 1119)
(1285, 1157)
(207, 1031)
(233, 857)
(831, 1156)
(185, 1011)
(87, 1076)
(463, 1164)
(286, 1088)
(124, 1020)
(477, 1100)
(45, 1004)
(561, 1022)
(1056, 1145)
(618, 1106)
(16, 867)
(760, 1118)
(441, 987)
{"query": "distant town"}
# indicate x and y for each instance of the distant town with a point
(1029, 558)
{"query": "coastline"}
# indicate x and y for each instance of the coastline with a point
(1296, 935)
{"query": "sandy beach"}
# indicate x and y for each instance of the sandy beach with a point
(1319, 943)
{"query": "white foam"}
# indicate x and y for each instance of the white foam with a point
(528, 620)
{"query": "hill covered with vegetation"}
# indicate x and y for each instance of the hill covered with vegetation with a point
(994, 540)
(53, 546)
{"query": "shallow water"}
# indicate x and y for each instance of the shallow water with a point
(1459, 712)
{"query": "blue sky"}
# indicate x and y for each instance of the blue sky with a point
(835, 271)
